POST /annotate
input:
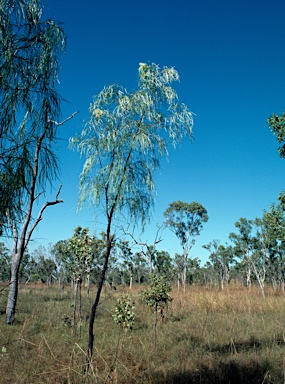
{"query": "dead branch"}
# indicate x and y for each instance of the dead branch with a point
(39, 218)
(64, 121)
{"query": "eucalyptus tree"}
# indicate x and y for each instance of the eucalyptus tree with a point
(29, 113)
(274, 222)
(163, 264)
(179, 268)
(64, 272)
(221, 257)
(123, 141)
(243, 245)
(252, 244)
(126, 254)
(194, 275)
(186, 221)
(140, 267)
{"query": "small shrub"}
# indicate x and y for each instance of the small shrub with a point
(124, 312)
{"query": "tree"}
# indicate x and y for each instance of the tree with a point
(221, 258)
(126, 255)
(46, 268)
(277, 126)
(252, 245)
(157, 296)
(60, 254)
(274, 223)
(30, 109)
(127, 134)
(186, 221)
(163, 263)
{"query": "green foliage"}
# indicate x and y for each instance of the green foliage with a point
(29, 102)
(5, 263)
(125, 137)
(123, 141)
(186, 220)
(76, 255)
(158, 294)
(124, 312)
(277, 126)
(162, 263)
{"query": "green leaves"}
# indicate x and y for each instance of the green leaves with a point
(124, 312)
(158, 294)
(277, 126)
(185, 220)
(125, 137)
(29, 102)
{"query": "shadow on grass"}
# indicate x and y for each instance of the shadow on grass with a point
(236, 346)
(231, 372)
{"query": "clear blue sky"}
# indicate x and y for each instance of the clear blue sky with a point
(231, 59)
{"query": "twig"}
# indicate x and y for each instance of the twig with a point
(7, 285)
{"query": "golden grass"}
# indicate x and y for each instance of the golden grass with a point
(209, 336)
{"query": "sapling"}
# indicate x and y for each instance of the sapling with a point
(124, 312)
(157, 296)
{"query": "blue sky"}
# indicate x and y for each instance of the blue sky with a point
(231, 60)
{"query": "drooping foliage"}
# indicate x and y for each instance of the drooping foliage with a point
(125, 137)
(123, 141)
(29, 102)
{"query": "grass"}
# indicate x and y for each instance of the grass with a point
(209, 336)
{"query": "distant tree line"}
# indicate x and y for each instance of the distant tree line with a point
(255, 254)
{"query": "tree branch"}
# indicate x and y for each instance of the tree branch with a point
(64, 121)
(39, 218)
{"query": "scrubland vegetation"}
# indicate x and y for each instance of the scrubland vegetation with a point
(206, 336)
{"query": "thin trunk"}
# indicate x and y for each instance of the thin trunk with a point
(178, 282)
(222, 283)
(88, 285)
(80, 308)
(184, 276)
(74, 301)
(97, 298)
(154, 328)
(131, 280)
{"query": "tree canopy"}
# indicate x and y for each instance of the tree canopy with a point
(29, 102)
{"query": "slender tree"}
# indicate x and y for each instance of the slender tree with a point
(252, 245)
(221, 258)
(186, 221)
(123, 141)
(126, 254)
(29, 113)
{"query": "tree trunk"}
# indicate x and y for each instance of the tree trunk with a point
(154, 328)
(131, 280)
(96, 302)
(75, 301)
(13, 289)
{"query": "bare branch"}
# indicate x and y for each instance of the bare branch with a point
(39, 218)
(64, 121)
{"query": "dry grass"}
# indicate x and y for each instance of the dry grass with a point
(209, 336)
